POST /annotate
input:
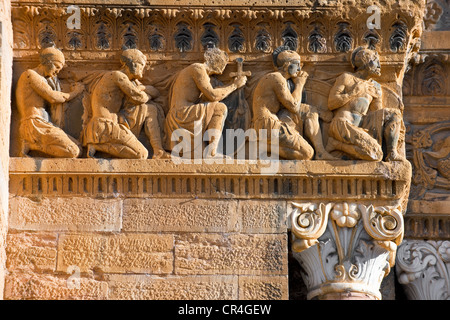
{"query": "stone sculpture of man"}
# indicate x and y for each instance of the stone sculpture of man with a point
(38, 89)
(277, 108)
(193, 100)
(120, 107)
(356, 100)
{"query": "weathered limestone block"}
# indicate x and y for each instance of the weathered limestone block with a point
(52, 287)
(145, 287)
(31, 251)
(263, 288)
(65, 214)
(262, 216)
(135, 253)
(156, 215)
(231, 254)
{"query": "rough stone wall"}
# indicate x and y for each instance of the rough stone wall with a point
(6, 57)
(118, 243)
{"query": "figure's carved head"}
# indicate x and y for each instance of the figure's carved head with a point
(134, 61)
(216, 60)
(52, 59)
(287, 60)
(366, 59)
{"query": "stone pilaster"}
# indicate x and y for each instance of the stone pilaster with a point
(423, 268)
(345, 249)
(6, 57)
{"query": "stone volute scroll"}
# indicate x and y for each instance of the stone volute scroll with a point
(423, 268)
(40, 105)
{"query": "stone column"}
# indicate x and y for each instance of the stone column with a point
(6, 40)
(345, 249)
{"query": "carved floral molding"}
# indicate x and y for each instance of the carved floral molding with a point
(323, 29)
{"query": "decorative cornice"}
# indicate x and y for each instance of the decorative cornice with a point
(380, 182)
(33, 21)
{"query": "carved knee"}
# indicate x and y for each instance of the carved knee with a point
(152, 111)
(221, 109)
(73, 151)
(141, 152)
(308, 152)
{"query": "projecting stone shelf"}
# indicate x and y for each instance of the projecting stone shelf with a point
(297, 180)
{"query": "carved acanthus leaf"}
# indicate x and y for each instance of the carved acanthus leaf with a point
(423, 269)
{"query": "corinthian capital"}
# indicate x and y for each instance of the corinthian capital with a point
(345, 248)
(423, 268)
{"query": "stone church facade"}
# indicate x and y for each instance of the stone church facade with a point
(354, 206)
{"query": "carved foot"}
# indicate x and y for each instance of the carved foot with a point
(331, 144)
(90, 151)
(324, 155)
(24, 150)
(218, 156)
(161, 154)
(394, 156)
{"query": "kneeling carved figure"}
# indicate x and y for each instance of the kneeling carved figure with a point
(119, 108)
(277, 108)
(360, 119)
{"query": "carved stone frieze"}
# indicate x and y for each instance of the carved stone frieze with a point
(37, 26)
(423, 268)
(143, 71)
(430, 148)
(80, 177)
(345, 248)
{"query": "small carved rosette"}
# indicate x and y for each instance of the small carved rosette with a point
(345, 247)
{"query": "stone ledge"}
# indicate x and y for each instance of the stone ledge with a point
(101, 178)
(428, 219)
